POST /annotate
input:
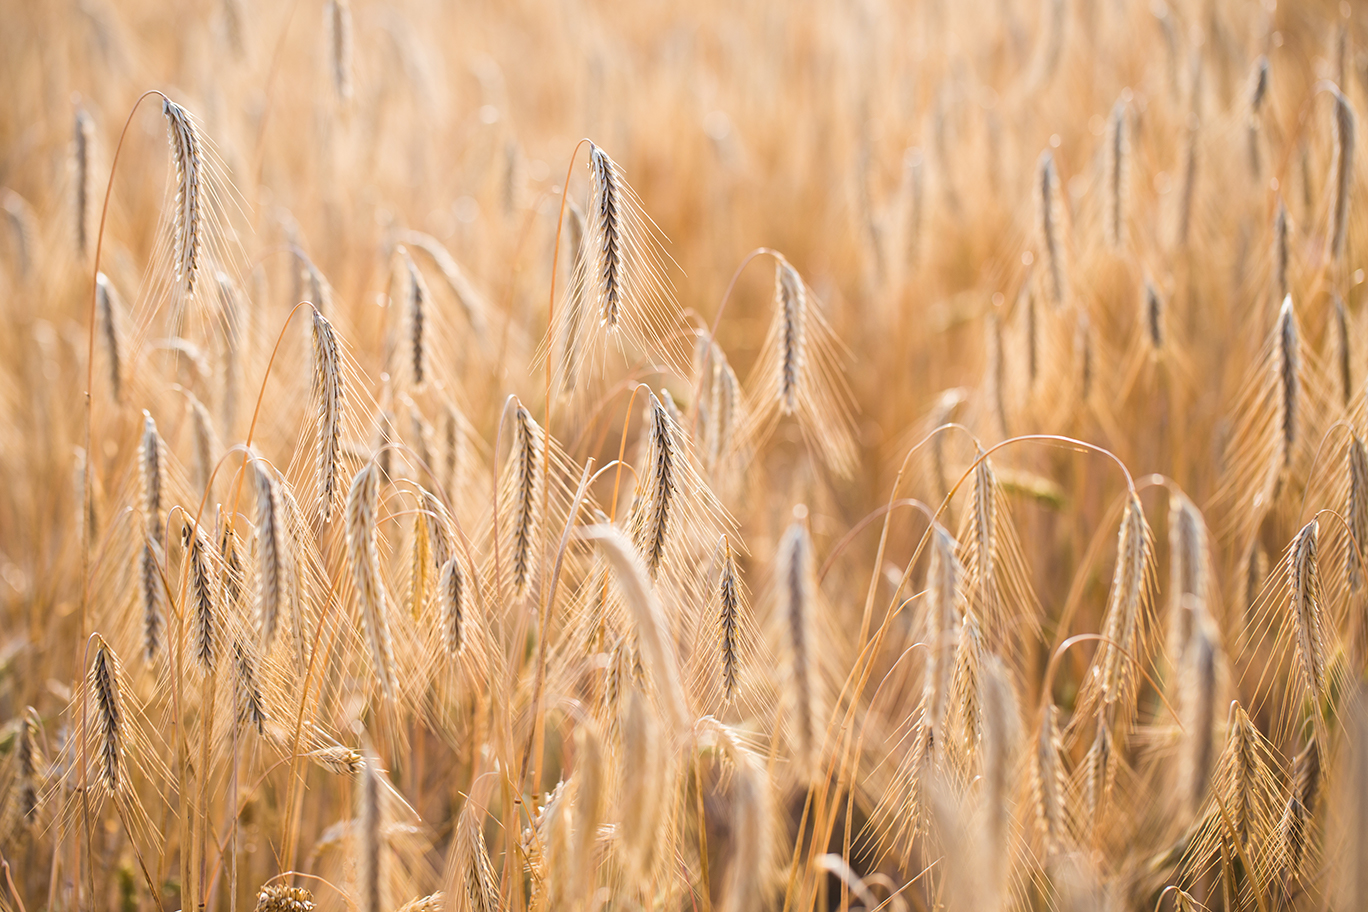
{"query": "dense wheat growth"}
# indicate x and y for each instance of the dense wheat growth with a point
(673, 456)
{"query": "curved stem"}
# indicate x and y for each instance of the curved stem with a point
(88, 530)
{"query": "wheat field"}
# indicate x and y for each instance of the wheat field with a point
(571, 455)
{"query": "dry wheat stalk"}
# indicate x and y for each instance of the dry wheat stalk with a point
(370, 858)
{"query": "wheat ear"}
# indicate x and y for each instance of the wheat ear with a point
(188, 157)
(271, 553)
(329, 400)
(529, 442)
(1342, 182)
(109, 721)
(363, 553)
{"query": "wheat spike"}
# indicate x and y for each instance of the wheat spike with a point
(109, 720)
(653, 519)
(418, 297)
(1127, 609)
(791, 301)
(154, 599)
(729, 602)
(1303, 583)
(271, 551)
(606, 235)
(795, 573)
(1258, 91)
(203, 592)
(1301, 803)
(83, 150)
(1118, 149)
(283, 898)
(251, 704)
(527, 471)
(942, 626)
(188, 158)
(329, 400)
(1049, 229)
(1343, 370)
(1286, 363)
(1154, 317)
(1342, 181)
(109, 304)
(1356, 511)
(363, 553)
(451, 602)
(150, 462)
(1048, 782)
(339, 24)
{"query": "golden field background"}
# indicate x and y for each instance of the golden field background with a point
(959, 686)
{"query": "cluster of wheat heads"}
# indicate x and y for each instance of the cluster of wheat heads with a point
(389, 525)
